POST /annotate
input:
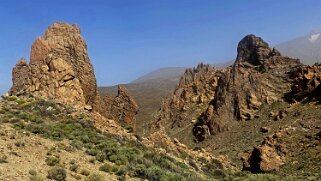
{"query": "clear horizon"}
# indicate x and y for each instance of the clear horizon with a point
(128, 39)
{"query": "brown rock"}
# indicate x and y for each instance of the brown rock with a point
(306, 82)
(266, 158)
(191, 97)
(259, 76)
(122, 108)
(59, 68)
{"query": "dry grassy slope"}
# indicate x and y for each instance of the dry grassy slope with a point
(71, 135)
(302, 122)
(27, 152)
(33, 130)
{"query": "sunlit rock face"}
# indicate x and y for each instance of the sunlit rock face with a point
(207, 99)
(59, 68)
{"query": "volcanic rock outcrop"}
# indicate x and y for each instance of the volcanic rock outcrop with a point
(258, 76)
(122, 107)
(306, 83)
(192, 95)
(60, 70)
(209, 98)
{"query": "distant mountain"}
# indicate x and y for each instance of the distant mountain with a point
(306, 48)
(162, 73)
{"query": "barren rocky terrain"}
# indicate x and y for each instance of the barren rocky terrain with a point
(258, 119)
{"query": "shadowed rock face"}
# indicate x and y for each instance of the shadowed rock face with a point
(122, 107)
(59, 68)
(259, 76)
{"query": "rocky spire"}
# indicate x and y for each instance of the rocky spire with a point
(254, 50)
(59, 68)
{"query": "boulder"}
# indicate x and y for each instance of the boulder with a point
(268, 157)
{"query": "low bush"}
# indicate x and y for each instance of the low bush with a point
(57, 173)
(52, 160)
(95, 177)
(85, 172)
(74, 167)
(36, 178)
(107, 167)
(3, 158)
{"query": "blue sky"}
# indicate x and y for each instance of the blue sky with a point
(129, 38)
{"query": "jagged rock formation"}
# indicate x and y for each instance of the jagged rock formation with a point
(192, 95)
(259, 76)
(122, 107)
(59, 68)
(306, 83)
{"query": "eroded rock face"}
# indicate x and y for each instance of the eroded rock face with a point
(191, 97)
(59, 68)
(122, 107)
(306, 83)
(259, 76)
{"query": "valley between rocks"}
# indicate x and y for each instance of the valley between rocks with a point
(258, 119)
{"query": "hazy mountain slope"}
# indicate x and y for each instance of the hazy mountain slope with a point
(162, 73)
(306, 48)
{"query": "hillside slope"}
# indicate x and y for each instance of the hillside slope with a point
(306, 48)
(250, 104)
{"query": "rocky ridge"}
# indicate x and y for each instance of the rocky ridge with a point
(235, 93)
(261, 88)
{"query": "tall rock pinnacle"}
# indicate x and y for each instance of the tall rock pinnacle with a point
(59, 68)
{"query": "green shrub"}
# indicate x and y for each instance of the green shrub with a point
(32, 172)
(107, 167)
(95, 177)
(52, 160)
(85, 172)
(57, 173)
(74, 167)
(36, 178)
(3, 158)
(259, 177)
(100, 157)
(12, 98)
